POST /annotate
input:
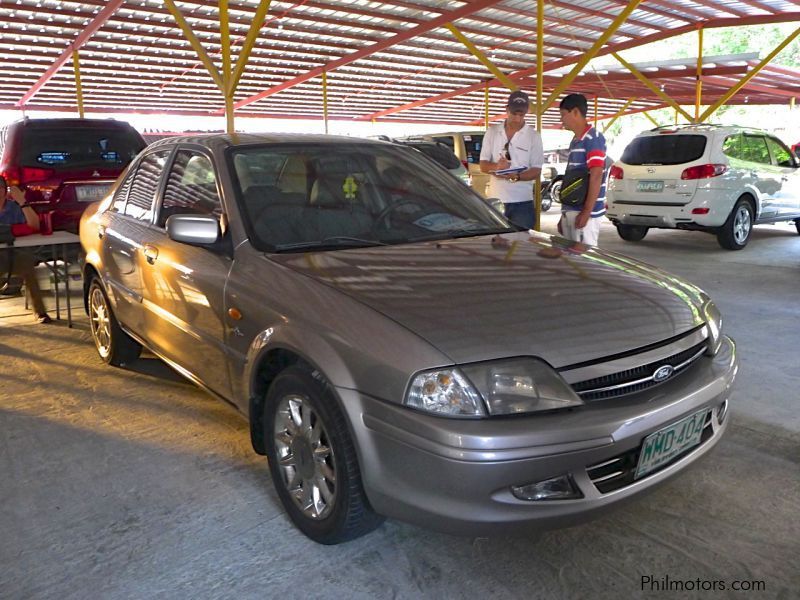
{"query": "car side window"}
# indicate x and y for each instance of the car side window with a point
(145, 185)
(732, 146)
(191, 188)
(118, 205)
(754, 149)
(780, 153)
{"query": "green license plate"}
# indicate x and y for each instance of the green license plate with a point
(662, 446)
(649, 186)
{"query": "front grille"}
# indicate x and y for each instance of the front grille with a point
(636, 379)
(619, 471)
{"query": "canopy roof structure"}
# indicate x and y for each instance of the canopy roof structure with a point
(419, 61)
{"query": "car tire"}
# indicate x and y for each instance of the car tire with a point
(547, 202)
(735, 232)
(632, 233)
(555, 190)
(313, 461)
(797, 225)
(113, 345)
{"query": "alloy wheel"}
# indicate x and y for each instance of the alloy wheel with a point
(741, 225)
(305, 457)
(100, 321)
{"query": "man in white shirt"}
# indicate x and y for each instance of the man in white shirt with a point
(514, 144)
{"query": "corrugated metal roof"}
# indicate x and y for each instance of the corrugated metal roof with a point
(409, 67)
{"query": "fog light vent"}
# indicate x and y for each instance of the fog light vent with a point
(722, 411)
(556, 488)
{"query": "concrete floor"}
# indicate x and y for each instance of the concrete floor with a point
(134, 484)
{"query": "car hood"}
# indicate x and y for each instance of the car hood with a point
(519, 294)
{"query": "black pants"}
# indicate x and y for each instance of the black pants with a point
(22, 264)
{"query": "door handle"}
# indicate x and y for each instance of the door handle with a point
(784, 178)
(150, 253)
(101, 232)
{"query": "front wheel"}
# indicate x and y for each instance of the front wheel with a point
(113, 345)
(632, 233)
(735, 232)
(797, 225)
(313, 461)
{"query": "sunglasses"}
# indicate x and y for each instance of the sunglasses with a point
(506, 151)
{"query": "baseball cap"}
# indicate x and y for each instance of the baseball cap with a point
(518, 100)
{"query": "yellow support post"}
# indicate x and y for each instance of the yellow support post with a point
(652, 120)
(791, 103)
(651, 86)
(749, 75)
(590, 53)
(618, 114)
(475, 51)
(537, 185)
(76, 66)
(249, 43)
(325, 100)
(676, 116)
(486, 106)
(225, 43)
(195, 43)
(699, 82)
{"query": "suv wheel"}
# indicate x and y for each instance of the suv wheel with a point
(555, 190)
(735, 233)
(797, 225)
(313, 461)
(113, 345)
(632, 233)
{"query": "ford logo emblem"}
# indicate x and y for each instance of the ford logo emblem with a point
(651, 170)
(663, 373)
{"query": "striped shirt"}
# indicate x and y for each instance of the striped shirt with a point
(586, 152)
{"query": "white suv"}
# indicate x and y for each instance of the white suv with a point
(720, 179)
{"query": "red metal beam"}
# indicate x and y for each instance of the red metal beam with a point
(709, 24)
(87, 32)
(465, 10)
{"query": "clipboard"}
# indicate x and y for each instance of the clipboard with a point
(509, 171)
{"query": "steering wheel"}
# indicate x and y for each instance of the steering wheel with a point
(389, 209)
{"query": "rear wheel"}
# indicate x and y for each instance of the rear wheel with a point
(632, 233)
(113, 345)
(735, 233)
(797, 225)
(313, 461)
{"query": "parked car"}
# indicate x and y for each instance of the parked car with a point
(399, 348)
(466, 145)
(440, 153)
(719, 179)
(65, 164)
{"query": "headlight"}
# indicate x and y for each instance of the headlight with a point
(713, 327)
(515, 386)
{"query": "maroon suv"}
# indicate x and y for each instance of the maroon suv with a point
(65, 164)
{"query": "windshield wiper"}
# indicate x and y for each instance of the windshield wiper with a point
(458, 232)
(332, 242)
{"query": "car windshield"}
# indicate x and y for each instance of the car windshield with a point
(296, 197)
(68, 147)
(440, 153)
(664, 149)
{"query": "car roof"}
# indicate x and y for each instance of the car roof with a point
(700, 128)
(220, 141)
(72, 122)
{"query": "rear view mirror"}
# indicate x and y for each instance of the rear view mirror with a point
(197, 230)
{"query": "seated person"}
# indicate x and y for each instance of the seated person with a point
(14, 211)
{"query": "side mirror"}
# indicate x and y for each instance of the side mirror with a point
(197, 230)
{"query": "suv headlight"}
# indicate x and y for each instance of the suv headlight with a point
(713, 327)
(504, 387)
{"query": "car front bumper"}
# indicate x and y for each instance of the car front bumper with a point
(455, 475)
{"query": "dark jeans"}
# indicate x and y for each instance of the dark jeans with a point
(521, 214)
(23, 264)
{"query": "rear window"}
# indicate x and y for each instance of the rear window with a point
(70, 147)
(668, 149)
(441, 154)
(473, 144)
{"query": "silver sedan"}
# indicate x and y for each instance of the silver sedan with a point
(399, 348)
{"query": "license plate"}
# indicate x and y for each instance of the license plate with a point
(649, 186)
(91, 193)
(664, 445)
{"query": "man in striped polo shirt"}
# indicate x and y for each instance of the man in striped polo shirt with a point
(587, 151)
